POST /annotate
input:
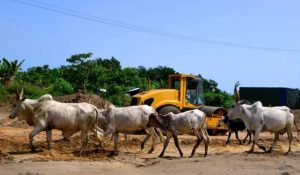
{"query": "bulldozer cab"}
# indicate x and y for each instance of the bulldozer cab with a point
(185, 92)
(189, 88)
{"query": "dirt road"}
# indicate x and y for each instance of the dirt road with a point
(16, 158)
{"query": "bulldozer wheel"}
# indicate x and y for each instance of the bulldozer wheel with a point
(166, 109)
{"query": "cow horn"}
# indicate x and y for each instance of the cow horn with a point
(21, 93)
(236, 93)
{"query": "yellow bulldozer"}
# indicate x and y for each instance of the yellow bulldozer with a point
(185, 92)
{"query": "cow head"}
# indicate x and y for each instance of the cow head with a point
(223, 121)
(155, 120)
(236, 110)
(18, 105)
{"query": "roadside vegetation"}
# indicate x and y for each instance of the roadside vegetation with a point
(88, 74)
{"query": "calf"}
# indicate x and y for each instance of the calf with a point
(235, 126)
(182, 123)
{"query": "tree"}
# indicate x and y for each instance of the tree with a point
(158, 76)
(210, 86)
(8, 70)
(79, 63)
(91, 74)
(79, 58)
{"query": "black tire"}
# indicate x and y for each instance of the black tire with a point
(166, 109)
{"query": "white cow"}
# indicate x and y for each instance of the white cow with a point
(67, 117)
(23, 109)
(257, 118)
(127, 119)
(45, 115)
(193, 121)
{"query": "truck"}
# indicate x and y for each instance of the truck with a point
(184, 92)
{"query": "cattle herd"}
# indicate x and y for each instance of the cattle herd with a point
(45, 114)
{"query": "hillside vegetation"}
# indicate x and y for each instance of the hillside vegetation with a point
(84, 73)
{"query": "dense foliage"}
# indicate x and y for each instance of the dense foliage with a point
(84, 73)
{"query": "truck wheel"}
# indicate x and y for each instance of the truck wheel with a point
(166, 109)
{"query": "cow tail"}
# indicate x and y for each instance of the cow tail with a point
(295, 123)
(90, 119)
(204, 128)
(97, 115)
(298, 130)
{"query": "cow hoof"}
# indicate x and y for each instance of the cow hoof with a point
(289, 152)
(269, 151)
(151, 151)
(250, 151)
(113, 153)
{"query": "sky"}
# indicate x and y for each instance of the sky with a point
(255, 42)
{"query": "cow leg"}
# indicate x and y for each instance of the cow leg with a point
(229, 134)
(237, 136)
(199, 139)
(255, 139)
(256, 135)
(250, 136)
(145, 139)
(98, 136)
(161, 136)
(108, 131)
(34, 132)
(290, 137)
(85, 138)
(49, 137)
(153, 136)
(177, 144)
(205, 137)
(67, 134)
(274, 142)
(165, 144)
(116, 141)
(248, 133)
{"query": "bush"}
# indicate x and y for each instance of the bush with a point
(61, 87)
(30, 91)
(3, 93)
(221, 99)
